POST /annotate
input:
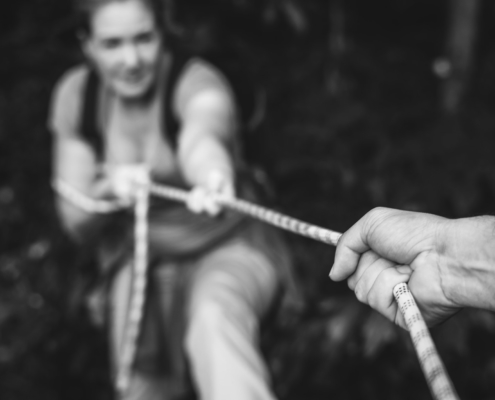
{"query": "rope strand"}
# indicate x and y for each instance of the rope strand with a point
(138, 290)
(264, 214)
(434, 371)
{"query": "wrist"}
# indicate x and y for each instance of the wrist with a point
(205, 155)
(215, 176)
(467, 261)
(102, 188)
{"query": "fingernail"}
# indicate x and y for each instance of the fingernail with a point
(404, 269)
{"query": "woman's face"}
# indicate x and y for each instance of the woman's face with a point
(124, 43)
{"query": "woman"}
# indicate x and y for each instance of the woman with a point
(224, 272)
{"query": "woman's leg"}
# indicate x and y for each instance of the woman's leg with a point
(231, 289)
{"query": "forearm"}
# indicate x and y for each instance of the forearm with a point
(208, 127)
(200, 158)
(467, 262)
(80, 224)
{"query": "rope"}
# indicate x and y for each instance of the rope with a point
(433, 369)
(263, 214)
(138, 290)
(436, 376)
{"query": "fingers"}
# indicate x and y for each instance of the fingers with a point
(374, 281)
(349, 249)
(368, 263)
(206, 198)
(383, 230)
(124, 178)
(140, 174)
(201, 200)
(380, 296)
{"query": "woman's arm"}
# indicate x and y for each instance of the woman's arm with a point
(74, 161)
(75, 164)
(206, 137)
(205, 106)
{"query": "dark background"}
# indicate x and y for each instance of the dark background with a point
(356, 118)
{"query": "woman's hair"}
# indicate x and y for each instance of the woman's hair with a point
(86, 8)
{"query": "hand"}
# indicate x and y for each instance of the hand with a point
(125, 179)
(204, 198)
(387, 247)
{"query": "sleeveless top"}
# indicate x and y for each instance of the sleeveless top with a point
(83, 107)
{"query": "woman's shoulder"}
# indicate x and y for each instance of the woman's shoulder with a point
(67, 99)
(199, 75)
(72, 81)
(201, 72)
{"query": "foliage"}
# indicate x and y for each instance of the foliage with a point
(331, 158)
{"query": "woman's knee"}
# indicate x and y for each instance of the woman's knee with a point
(214, 318)
(237, 285)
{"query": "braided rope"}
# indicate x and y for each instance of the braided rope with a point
(434, 371)
(437, 377)
(138, 290)
(263, 214)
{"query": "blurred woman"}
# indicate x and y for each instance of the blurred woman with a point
(211, 279)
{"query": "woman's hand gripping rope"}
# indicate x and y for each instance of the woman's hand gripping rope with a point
(205, 199)
(126, 180)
